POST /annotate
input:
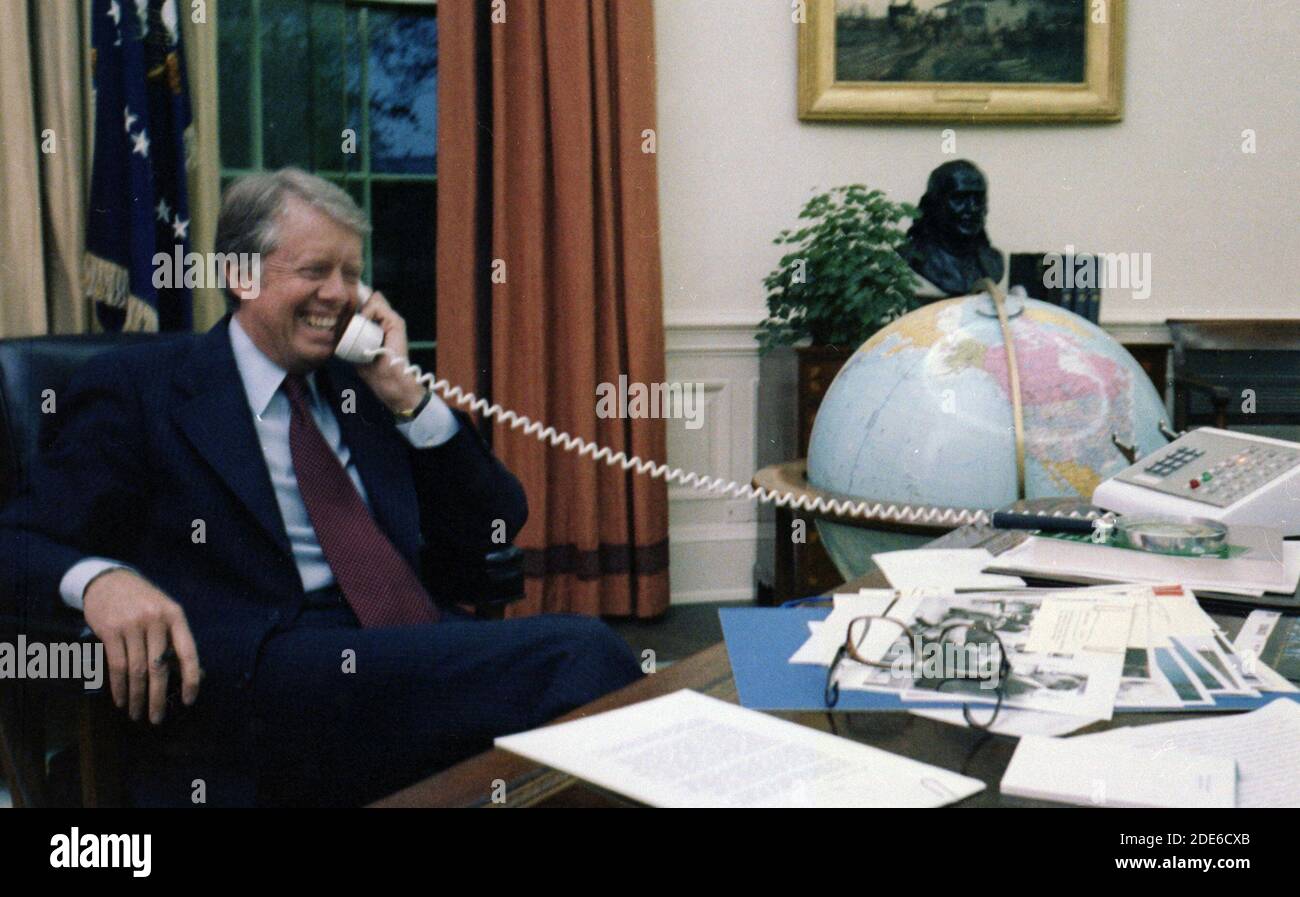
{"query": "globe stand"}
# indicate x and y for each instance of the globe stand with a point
(801, 566)
(792, 478)
(1013, 302)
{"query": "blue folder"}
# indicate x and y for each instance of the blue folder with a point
(760, 641)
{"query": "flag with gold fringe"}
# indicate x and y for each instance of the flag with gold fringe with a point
(139, 205)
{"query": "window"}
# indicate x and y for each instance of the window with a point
(347, 90)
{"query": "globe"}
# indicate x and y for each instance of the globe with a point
(922, 414)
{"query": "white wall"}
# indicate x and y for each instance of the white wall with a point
(736, 164)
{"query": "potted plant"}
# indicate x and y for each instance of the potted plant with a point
(844, 278)
(841, 282)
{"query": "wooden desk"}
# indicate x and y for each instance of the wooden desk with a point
(471, 783)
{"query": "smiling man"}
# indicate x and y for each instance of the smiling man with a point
(241, 517)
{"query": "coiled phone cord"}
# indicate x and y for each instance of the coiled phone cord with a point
(865, 510)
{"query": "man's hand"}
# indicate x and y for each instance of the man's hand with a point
(141, 629)
(397, 389)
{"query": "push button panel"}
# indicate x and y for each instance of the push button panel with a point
(1212, 468)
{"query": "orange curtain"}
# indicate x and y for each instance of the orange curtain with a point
(548, 275)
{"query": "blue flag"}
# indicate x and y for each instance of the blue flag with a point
(139, 205)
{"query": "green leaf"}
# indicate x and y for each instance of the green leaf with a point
(855, 279)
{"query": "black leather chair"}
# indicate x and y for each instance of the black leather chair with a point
(1029, 270)
(1216, 363)
(29, 368)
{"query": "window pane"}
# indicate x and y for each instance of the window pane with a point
(354, 186)
(403, 91)
(404, 221)
(325, 66)
(234, 40)
(427, 361)
(354, 44)
(328, 102)
(286, 84)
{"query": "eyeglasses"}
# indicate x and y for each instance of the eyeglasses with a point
(915, 640)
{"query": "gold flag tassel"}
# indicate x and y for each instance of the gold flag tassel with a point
(106, 282)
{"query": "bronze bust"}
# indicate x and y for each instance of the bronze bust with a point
(946, 244)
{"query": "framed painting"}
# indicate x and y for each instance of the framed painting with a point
(962, 60)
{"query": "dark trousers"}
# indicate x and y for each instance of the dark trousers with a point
(343, 715)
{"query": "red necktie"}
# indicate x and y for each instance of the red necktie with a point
(374, 578)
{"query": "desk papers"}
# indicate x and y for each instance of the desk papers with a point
(827, 637)
(1079, 683)
(1080, 653)
(1108, 774)
(958, 569)
(1268, 564)
(1068, 623)
(1262, 742)
(1270, 643)
(689, 750)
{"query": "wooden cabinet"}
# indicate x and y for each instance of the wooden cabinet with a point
(805, 568)
(818, 366)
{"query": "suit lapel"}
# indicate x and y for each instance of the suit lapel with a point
(381, 460)
(217, 421)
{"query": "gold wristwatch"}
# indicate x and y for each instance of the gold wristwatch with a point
(406, 417)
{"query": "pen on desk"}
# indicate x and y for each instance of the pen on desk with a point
(1045, 522)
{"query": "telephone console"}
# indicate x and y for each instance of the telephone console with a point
(1236, 478)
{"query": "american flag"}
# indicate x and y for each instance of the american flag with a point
(139, 205)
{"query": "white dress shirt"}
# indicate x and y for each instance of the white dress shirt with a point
(262, 379)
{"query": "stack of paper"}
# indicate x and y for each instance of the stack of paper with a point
(689, 750)
(957, 569)
(1262, 743)
(1269, 637)
(1076, 654)
(1178, 657)
(828, 635)
(1261, 562)
(1244, 760)
(1080, 770)
(1071, 663)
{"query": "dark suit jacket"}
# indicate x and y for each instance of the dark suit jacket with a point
(150, 439)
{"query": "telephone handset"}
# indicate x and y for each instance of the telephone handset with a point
(363, 338)
(363, 342)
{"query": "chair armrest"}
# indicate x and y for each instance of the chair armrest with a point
(493, 580)
(1219, 395)
(55, 623)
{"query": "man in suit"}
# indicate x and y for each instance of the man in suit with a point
(239, 514)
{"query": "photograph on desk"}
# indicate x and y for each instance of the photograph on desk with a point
(1081, 653)
(529, 403)
(922, 665)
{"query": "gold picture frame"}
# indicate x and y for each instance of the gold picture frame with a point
(1098, 98)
